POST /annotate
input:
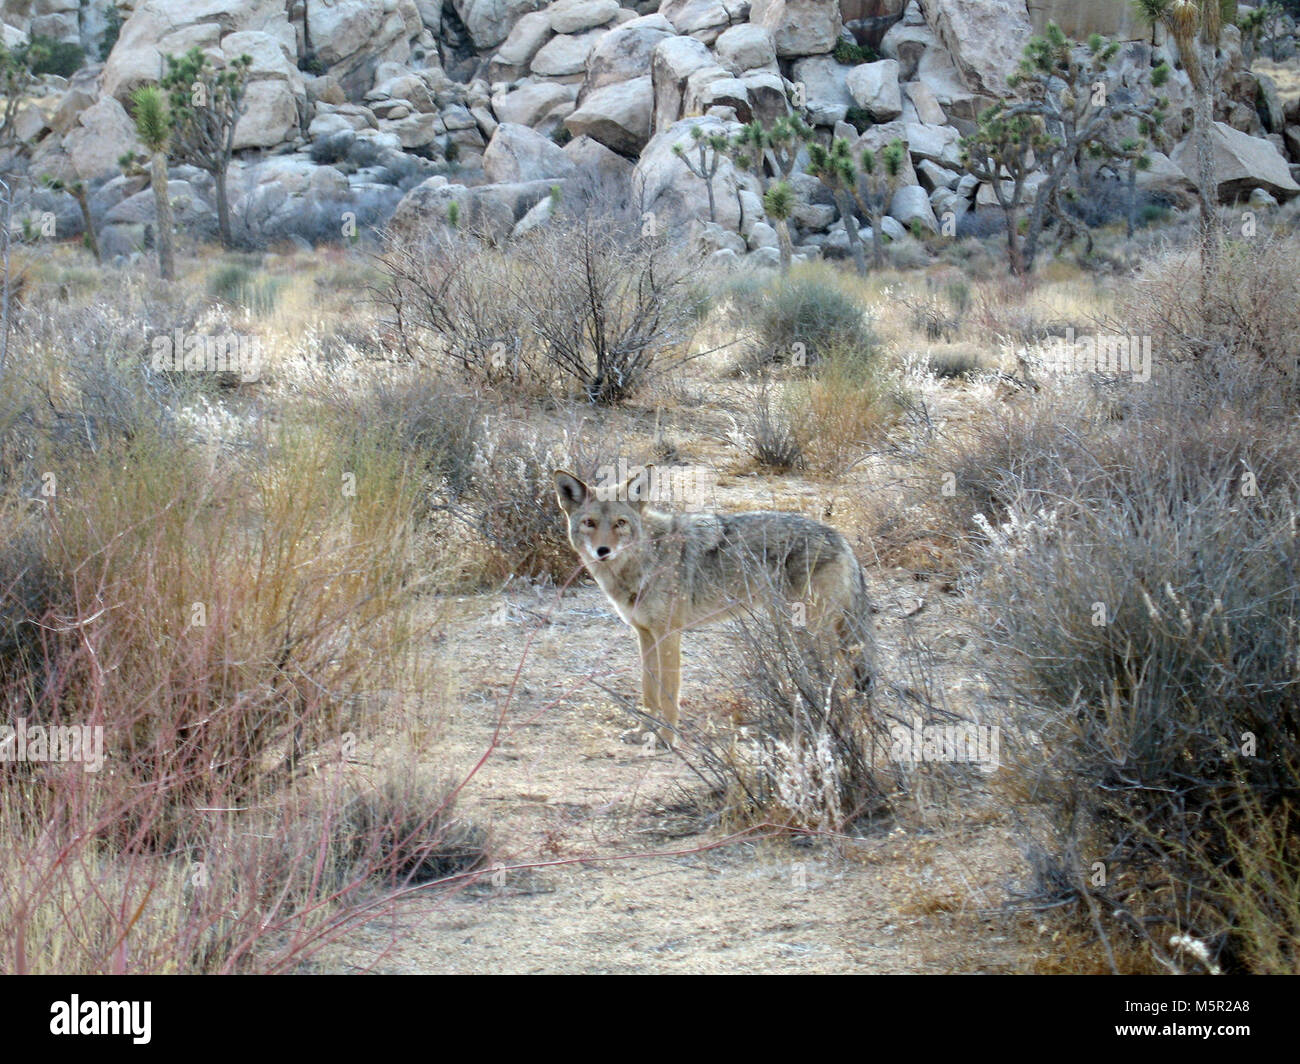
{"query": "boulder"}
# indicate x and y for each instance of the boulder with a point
(530, 103)
(488, 22)
(874, 87)
(158, 27)
(525, 39)
(270, 115)
(911, 203)
(617, 115)
(710, 89)
(565, 54)
(746, 47)
(103, 133)
(907, 41)
(940, 144)
(702, 19)
(798, 27)
(925, 104)
(424, 211)
(986, 39)
(624, 52)
(517, 153)
(825, 90)
(574, 16)
(665, 187)
(1165, 178)
(593, 161)
(672, 62)
(1242, 163)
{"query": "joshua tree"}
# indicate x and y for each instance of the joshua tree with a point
(778, 202)
(835, 169)
(709, 149)
(77, 190)
(757, 148)
(1065, 109)
(15, 89)
(1002, 153)
(1196, 26)
(1152, 12)
(206, 103)
(153, 127)
(881, 174)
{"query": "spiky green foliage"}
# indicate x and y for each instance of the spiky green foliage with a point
(1064, 110)
(152, 121)
(153, 127)
(206, 103)
(710, 148)
(758, 148)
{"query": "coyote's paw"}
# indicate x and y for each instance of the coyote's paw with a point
(650, 741)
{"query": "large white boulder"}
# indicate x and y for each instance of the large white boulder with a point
(665, 187)
(798, 27)
(103, 133)
(874, 87)
(1242, 163)
(617, 115)
(517, 153)
(624, 52)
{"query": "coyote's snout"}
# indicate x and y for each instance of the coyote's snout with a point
(666, 572)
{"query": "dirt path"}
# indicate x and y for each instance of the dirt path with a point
(623, 876)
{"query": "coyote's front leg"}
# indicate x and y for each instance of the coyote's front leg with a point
(661, 678)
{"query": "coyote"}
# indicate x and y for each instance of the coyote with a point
(664, 573)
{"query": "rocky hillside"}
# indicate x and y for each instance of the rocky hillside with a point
(389, 110)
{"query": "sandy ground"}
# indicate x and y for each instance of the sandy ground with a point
(605, 865)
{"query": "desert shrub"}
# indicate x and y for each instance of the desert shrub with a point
(771, 432)
(224, 613)
(810, 753)
(1139, 587)
(244, 287)
(511, 505)
(1242, 337)
(48, 56)
(438, 431)
(845, 407)
(260, 889)
(403, 831)
(954, 364)
(859, 118)
(799, 319)
(851, 54)
(587, 303)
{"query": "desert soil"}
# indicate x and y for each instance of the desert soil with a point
(606, 865)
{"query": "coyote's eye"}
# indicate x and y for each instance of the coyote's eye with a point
(621, 524)
(588, 525)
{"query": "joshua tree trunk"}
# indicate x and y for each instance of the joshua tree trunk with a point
(851, 230)
(1130, 216)
(1206, 184)
(784, 244)
(223, 208)
(83, 201)
(163, 209)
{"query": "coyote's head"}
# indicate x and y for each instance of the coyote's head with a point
(599, 526)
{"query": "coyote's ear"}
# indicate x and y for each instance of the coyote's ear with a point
(637, 489)
(571, 491)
